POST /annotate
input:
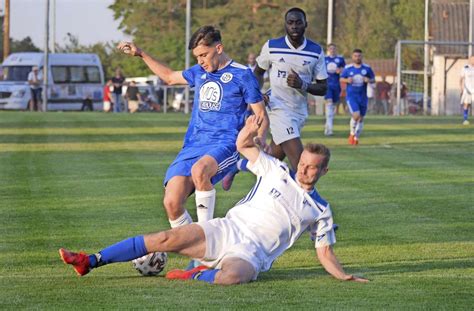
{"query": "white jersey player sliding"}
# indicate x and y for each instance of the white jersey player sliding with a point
(259, 228)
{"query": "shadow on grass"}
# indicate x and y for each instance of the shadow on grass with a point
(370, 271)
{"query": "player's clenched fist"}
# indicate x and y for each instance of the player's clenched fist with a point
(129, 48)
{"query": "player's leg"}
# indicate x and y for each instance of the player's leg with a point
(360, 120)
(293, 149)
(186, 240)
(177, 190)
(465, 106)
(235, 270)
(329, 111)
(202, 172)
(353, 106)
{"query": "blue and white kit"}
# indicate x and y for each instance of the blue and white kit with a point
(334, 87)
(288, 107)
(219, 111)
(268, 220)
(357, 91)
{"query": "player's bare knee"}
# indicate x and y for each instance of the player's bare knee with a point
(173, 207)
(198, 174)
(231, 278)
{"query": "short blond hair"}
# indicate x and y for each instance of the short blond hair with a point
(321, 150)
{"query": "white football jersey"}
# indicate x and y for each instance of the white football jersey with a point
(277, 211)
(279, 57)
(468, 74)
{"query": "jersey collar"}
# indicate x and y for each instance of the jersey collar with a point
(301, 47)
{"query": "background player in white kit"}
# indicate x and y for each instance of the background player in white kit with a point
(467, 88)
(234, 249)
(296, 67)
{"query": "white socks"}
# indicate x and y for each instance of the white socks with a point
(353, 125)
(182, 220)
(205, 203)
(358, 129)
(329, 118)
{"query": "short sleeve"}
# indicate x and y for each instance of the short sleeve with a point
(190, 75)
(250, 88)
(342, 64)
(371, 73)
(265, 164)
(322, 230)
(263, 60)
(344, 73)
(319, 72)
(463, 73)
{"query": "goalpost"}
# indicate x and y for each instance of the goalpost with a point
(431, 85)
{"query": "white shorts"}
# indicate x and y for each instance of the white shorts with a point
(225, 240)
(467, 98)
(285, 125)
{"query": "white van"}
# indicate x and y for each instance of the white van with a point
(72, 78)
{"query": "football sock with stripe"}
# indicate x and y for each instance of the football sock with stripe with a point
(359, 127)
(184, 219)
(206, 275)
(122, 251)
(205, 203)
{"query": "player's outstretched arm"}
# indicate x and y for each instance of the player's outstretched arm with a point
(262, 118)
(331, 264)
(165, 73)
(247, 142)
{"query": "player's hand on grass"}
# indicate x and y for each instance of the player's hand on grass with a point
(129, 48)
(356, 278)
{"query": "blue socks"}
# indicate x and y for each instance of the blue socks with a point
(242, 165)
(205, 275)
(123, 251)
(466, 113)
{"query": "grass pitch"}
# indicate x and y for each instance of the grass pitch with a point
(403, 199)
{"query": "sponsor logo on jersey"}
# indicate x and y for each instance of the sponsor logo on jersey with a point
(226, 77)
(274, 193)
(306, 62)
(210, 96)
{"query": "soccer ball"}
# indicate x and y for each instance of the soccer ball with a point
(150, 264)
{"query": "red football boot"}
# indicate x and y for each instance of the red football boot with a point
(178, 274)
(79, 261)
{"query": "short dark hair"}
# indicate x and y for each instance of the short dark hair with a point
(321, 150)
(357, 51)
(295, 10)
(332, 44)
(206, 35)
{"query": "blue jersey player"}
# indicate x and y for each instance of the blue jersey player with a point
(223, 89)
(334, 66)
(357, 75)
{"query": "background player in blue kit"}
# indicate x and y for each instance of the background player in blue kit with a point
(357, 75)
(334, 66)
(295, 68)
(223, 89)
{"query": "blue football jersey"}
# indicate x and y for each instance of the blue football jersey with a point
(220, 103)
(358, 86)
(332, 64)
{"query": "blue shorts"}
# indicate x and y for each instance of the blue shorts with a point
(225, 155)
(333, 93)
(357, 104)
